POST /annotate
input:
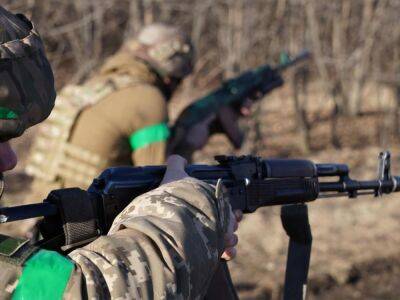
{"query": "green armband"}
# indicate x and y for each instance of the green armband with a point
(6, 113)
(149, 135)
(45, 276)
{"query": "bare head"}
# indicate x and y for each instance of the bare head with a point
(168, 49)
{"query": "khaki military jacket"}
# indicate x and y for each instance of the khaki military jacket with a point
(165, 245)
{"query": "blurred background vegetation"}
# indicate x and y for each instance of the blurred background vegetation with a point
(355, 45)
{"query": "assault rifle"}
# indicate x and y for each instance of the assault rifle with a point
(251, 84)
(252, 183)
(73, 217)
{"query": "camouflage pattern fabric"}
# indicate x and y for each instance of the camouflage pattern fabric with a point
(165, 245)
(26, 80)
(168, 49)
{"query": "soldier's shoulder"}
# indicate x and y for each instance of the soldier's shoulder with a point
(145, 92)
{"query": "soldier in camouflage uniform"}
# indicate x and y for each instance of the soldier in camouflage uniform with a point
(119, 116)
(166, 245)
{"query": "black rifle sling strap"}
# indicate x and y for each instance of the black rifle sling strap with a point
(221, 286)
(295, 222)
(76, 220)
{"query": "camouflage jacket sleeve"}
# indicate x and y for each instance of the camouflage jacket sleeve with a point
(165, 244)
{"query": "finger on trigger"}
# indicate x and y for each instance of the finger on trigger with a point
(229, 253)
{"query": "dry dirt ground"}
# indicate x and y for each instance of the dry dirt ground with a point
(356, 242)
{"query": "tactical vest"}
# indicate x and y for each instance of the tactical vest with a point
(53, 158)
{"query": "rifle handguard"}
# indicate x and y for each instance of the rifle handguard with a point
(280, 191)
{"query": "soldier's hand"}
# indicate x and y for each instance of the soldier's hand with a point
(228, 118)
(231, 239)
(197, 135)
(246, 108)
(175, 169)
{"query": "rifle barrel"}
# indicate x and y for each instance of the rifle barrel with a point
(332, 170)
(349, 186)
(305, 54)
(15, 213)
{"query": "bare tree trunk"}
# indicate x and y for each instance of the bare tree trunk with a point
(199, 22)
(326, 80)
(396, 123)
(335, 140)
(149, 11)
(371, 22)
(136, 17)
(300, 94)
(231, 37)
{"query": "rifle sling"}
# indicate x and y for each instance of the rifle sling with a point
(221, 286)
(295, 222)
(78, 221)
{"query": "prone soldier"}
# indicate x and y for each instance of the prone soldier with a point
(167, 245)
